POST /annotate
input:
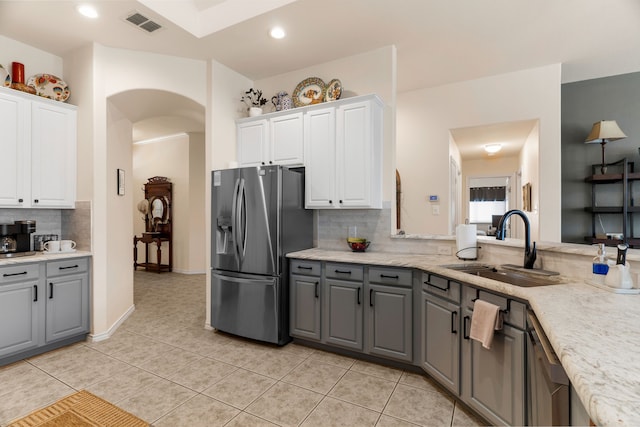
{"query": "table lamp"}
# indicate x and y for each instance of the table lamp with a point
(603, 132)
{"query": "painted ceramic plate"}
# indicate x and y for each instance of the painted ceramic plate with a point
(5, 78)
(49, 86)
(309, 91)
(333, 91)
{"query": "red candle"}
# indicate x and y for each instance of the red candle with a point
(17, 74)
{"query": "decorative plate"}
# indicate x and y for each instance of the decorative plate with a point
(5, 78)
(309, 91)
(49, 86)
(333, 91)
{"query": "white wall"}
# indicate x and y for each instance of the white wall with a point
(35, 61)
(425, 117)
(531, 173)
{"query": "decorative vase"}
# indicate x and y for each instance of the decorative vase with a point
(255, 111)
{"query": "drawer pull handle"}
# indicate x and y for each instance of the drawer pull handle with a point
(384, 276)
(465, 322)
(50, 290)
(358, 295)
(14, 274)
(316, 290)
(343, 272)
(438, 287)
(454, 316)
(371, 297)
(66, 268)
(302, 267)
(35, 293)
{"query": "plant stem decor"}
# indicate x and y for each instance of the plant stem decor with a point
(253, 98)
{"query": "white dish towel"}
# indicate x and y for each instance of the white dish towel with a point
(485, 320)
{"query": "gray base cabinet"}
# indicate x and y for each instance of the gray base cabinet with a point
(42, 305)
(493, 381)
(305, 306)
(440, 320)
(343, 325)
(21, 297)
(390, 321)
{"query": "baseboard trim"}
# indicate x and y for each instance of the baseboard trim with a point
(188, 271)
(107, 334)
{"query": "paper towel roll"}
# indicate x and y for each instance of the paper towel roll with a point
(467, 241)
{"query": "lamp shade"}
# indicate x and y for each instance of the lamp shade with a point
(604, 131)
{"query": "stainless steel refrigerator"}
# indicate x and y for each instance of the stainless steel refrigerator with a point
(257, 216)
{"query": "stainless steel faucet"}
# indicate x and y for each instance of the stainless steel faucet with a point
(529, 253)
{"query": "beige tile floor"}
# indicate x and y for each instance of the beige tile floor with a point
(163, 366)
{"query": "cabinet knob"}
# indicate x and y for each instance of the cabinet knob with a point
(36, 200)
(270, 162)
(20, 200)
(340, 201)
(262, 163)
(330, 202)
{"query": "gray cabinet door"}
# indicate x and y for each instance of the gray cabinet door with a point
(493, 381)
(440, 350)
(343, 316)
(390, 322)
(67, 310)
(19, 317)
(304, 306)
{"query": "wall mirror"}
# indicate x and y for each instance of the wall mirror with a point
(517, 160)
(159, 209)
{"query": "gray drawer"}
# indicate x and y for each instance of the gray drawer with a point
(307, 268)
(515, 312)
(344, 271)
(441, 286)
(67, 266)
(391, 276)
(19, 272)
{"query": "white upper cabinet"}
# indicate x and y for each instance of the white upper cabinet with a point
(273, 141)
(38, 139)
(344, 146)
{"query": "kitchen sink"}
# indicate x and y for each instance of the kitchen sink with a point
(508, 274)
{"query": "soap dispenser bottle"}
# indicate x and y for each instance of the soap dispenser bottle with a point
(600, 266)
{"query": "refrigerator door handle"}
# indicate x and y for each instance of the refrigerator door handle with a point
(241, 220)
(234, 219)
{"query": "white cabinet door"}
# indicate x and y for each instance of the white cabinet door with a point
(286, 142)
(53, 155)
(320, 148)
(359, 156)
(253, 143)
(14, 146)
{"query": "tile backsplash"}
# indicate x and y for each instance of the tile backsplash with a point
(74, 224)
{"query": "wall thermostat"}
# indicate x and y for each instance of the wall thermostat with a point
(433, 198)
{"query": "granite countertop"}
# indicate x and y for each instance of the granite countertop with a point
(592, 331)
(42, 256)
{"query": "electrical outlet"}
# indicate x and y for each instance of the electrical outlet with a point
(444, 250)
(435, 209)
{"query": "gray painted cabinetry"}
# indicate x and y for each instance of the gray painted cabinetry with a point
(390, 314)
(355, 307)
(43, 306)
(493, 381)
(440, 322)
(304, 299)
(21, 296)
(344, 295)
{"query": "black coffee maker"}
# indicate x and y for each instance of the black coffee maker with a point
(15, 239)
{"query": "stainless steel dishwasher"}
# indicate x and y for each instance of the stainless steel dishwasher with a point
(548, 394)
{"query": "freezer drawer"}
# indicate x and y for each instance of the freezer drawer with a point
(248, 307)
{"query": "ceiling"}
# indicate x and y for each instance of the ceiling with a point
(438, 41)
(511, 136)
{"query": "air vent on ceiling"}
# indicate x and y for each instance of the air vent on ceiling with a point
(142, 22)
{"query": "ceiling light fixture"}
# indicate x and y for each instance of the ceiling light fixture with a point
(87, 10)
(277, 33)
(492, 148)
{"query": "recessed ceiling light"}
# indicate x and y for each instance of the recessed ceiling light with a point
(277, 33)
(87, 10)
(492, 148)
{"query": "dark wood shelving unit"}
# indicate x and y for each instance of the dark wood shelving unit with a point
(625, 176)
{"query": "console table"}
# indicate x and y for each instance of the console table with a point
(156, 208)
